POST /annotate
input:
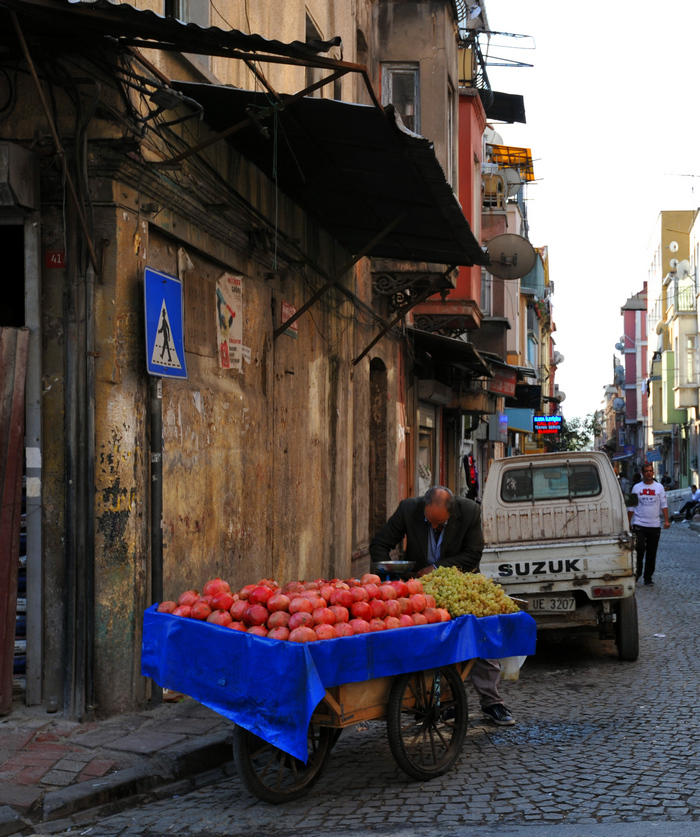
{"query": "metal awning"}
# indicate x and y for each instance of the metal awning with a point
(75, 20)
(506, 107)
(449, 350)
(354, 168)
(508, 156)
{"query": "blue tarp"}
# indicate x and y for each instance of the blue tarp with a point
(272, 687)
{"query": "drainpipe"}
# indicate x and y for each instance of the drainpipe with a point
(156, 408)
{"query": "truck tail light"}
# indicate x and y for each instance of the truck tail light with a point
(608, 592)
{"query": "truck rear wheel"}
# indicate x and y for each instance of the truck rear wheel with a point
(627, 629)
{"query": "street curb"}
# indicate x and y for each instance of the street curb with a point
(10, 821)
(184, 759)
(180, 761)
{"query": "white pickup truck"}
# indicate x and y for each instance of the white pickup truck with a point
(557, 535)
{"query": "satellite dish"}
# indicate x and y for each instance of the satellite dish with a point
(619, 346)
(618, 404)
(683, 268)
(512, 256)
(673, 246)
(513, 181)
(557, 358)
(561, 396)
(661, 327)
(673, 264)
(491, 137)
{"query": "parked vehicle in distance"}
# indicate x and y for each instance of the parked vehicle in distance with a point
(557, 535)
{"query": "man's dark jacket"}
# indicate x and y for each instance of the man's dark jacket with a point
(462, 543)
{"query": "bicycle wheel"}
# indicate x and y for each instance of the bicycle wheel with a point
(273, 775)
(427, 720)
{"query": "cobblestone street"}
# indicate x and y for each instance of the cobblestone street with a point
(597, 741)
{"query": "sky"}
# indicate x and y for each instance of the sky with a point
(612, 126)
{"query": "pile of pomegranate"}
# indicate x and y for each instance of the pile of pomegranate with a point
(305, 611)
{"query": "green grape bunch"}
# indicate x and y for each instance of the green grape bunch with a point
(461, 593)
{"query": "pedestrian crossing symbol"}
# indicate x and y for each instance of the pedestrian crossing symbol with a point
(165, 350)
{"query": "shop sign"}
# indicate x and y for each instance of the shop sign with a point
(503, 382)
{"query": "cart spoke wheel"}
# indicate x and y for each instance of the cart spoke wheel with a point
(427, 721)
(273, 775)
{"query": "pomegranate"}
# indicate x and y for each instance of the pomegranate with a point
(167, 607)
(406, 605)
(238, 608)
(326, 591)
(362, 610)
(278, 619)
(372, 590)
(342, 614)
(377, 624)
(444, 614)
(414, 586)
(431, 615)
(183, 610)
(429, 600)
(386, 592)
(343, 629)
(200, 610)
(268, 582)
(257, 630)
(303, 635)
(393, 608)
(292, 587)
(255, 614)
(302, 619)
(324, 631)
(418, 602)
(244, 592)
(359, 594)
(216, 585)
(189, 597)
(260, 594)
(378, 608)
(220, 617)
(359, 626)
(370, 578)
(300, 604)
(391, 622)
(324, 615)
(278, 602)
(400, 587)
(279, 633)
(342, 597)
(221, 601)
(238, 626)
(405, 621)
(419, 619)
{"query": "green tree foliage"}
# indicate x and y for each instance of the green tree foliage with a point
(576, 434)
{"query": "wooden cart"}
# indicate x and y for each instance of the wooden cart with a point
(426, 715)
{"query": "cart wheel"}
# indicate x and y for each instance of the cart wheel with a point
(427, 720)
(273, 775)
(627, 629)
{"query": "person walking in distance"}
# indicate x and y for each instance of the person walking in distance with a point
(645, 519)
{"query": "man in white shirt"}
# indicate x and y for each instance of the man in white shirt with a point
(645, 521)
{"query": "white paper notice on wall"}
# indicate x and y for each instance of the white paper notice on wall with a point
(229, 320)
(246, 353)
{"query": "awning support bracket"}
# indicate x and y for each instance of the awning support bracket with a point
(251, 120)
(429, 291)
(339, 275)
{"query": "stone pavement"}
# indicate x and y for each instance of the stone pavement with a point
(600, 747)
(51, 768)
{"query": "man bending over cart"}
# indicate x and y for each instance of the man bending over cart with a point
(444, 530)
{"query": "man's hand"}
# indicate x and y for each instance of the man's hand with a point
(426, 570)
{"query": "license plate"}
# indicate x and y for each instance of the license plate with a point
(553, 604)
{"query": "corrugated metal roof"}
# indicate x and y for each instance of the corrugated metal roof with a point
(76, 19)
(353, 168)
